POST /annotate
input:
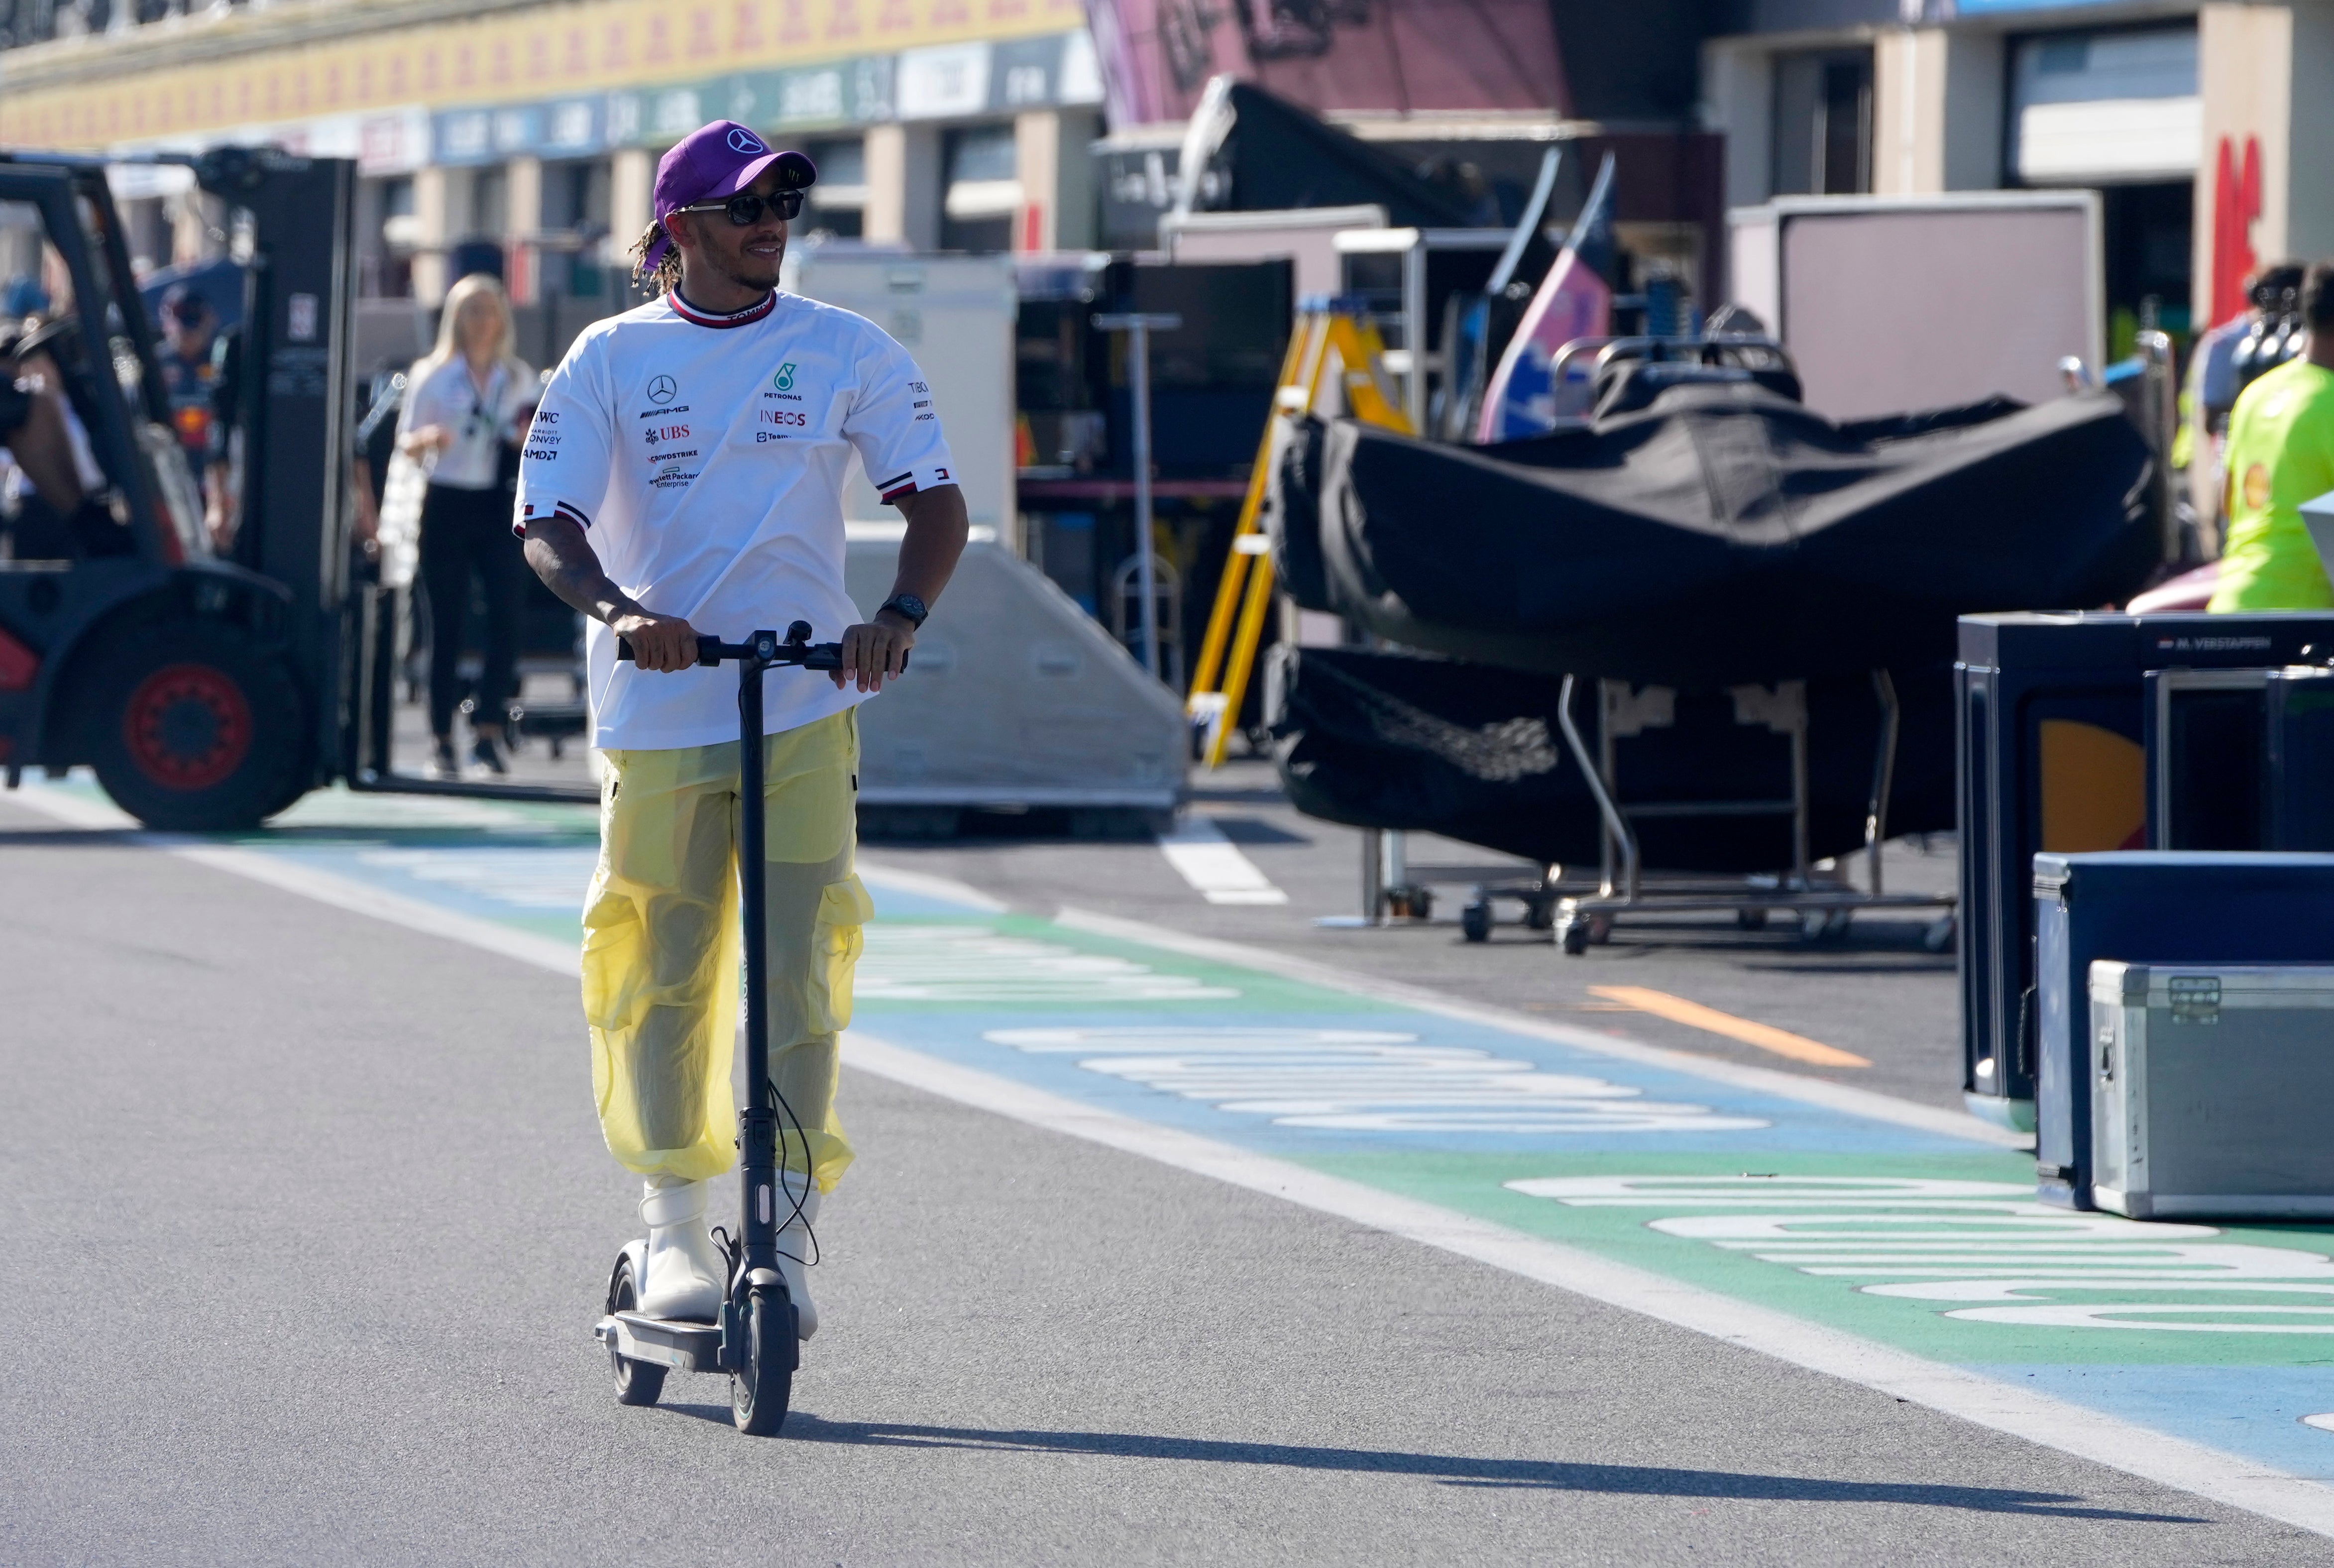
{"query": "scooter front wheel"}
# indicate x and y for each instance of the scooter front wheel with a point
(637, 1383)
(764, 1381)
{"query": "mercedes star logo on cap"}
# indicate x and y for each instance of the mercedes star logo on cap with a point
(745, 141)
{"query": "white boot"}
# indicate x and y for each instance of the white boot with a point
(794, 1251)
(688, 1273)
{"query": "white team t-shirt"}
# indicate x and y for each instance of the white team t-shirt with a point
(706, 456)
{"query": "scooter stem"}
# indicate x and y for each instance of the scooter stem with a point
(758, 1125)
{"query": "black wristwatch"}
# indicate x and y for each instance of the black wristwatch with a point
(908, 607)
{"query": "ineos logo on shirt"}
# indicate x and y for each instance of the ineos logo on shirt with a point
(745, 141)
(663, 389)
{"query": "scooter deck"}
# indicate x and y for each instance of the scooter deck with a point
(688, 1347)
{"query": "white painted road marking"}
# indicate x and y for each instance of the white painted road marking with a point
(1212, 863)
(1358, 1081)
(934, 963)
(1867, 1104)
(1954, 1241)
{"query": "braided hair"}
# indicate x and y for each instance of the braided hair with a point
(665, 276)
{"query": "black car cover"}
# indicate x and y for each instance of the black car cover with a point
(1474, 752)
(1714, 531)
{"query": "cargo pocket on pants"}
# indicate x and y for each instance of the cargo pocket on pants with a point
(844, 908)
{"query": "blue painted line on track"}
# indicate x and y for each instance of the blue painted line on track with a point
(2255, 1412)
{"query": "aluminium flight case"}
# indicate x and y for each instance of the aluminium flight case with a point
(2158, 906)
(2210, 1088)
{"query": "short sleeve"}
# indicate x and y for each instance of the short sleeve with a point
(564, 463)
(892, 424)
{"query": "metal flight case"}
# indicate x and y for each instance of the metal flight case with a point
(2209, 1089)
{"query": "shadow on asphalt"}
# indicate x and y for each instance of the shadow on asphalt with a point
(1457, 1470)
(427, 836)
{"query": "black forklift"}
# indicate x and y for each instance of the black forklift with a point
(207, 692)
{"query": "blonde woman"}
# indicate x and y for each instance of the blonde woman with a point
(463, 408)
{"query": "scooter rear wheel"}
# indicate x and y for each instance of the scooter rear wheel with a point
(760, 1388)
(637, 1383)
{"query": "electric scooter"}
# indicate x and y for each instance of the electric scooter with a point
(755, 1339)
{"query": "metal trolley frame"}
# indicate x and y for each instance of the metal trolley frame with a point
(1824, 902)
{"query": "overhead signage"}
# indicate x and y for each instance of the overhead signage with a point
(956, 80)
(528, 57)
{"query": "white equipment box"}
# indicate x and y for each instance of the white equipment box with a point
(1892, 304)
(2209, 1089)
(955, 314)
(1014, 698)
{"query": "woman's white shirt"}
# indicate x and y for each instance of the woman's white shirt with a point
(480, 421)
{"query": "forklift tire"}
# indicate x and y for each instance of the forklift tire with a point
(196, 730)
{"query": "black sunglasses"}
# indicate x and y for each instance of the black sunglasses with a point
(745, 211)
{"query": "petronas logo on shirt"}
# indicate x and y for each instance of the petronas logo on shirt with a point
(784, 380)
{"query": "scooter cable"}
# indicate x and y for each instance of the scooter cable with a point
(802, 1138)
(734, 1245)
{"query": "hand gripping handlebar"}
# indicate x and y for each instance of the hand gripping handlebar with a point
(765, 648)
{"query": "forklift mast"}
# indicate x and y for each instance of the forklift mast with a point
(297, 396)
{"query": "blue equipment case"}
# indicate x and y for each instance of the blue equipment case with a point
(2158, 908)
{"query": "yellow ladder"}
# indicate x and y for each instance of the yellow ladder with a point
(1245, 591)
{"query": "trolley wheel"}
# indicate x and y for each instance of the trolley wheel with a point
(1475, 921)
(760, 1388)
(1409, 903)
(637, 1383)
(1939, 934)
(196, 728)
(1573, 935)
(1824, 925)
(1750, 919)
(1600, 928)
(1539, 913)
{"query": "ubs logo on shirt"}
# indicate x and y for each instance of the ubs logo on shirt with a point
(656, 433)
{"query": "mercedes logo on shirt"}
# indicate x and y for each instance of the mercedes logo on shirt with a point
(663, 389)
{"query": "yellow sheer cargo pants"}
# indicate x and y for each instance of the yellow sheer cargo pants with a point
(662, 948)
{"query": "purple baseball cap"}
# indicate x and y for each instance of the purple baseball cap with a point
(714, 163)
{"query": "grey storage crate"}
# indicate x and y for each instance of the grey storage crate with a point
(2213, 1090)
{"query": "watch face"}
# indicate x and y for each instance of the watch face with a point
(909, 605)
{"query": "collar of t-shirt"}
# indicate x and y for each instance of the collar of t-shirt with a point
(745, 318)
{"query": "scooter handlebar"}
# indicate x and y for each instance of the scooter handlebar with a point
(797, 649)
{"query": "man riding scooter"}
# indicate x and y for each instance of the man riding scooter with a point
(683, 476)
